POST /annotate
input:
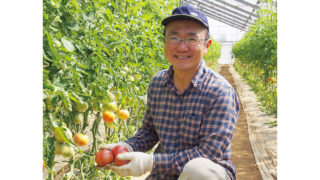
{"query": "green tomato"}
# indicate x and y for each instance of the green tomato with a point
(69, 152)
(78, 119)
(111, 106)
(59, 148)
(81, 106)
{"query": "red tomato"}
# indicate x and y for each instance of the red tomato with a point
(118, 150)
(272, 79)
(103, 157)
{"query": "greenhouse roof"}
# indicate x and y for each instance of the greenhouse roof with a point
(240, 14)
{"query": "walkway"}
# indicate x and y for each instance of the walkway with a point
(242, 154)
(254, 144)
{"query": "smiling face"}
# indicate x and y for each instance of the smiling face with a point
(185, 57)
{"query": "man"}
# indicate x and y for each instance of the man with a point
(191, 111)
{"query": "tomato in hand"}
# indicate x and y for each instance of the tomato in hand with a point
(120, 162)
(103, 157)
(118, 150)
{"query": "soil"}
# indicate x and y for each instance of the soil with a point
(242, 153)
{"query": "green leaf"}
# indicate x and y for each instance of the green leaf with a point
(50, 44)
(64, 2)
(48, 86)
(66, 101)
(49, 151)
(74, 97)
(67, 44)
(109, 14)
(75, 4)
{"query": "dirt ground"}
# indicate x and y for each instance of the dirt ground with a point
(242, 154)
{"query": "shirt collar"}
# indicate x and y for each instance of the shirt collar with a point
(197, 79)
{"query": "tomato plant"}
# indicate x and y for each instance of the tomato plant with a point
(256, 57)
(213, 55)
(97, 56)
(85, 46)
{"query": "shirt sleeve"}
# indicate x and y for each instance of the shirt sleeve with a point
(218, 124)
(146, 137)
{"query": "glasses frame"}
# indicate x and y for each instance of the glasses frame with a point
(185, 40)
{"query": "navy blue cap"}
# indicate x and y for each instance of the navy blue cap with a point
(187, 12)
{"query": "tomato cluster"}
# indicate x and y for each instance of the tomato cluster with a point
(110, 112)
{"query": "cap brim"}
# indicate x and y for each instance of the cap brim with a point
(169, 19)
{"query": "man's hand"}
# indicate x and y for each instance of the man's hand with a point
(111, 146)
(139, 164)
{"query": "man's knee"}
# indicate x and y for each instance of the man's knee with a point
(202, 168)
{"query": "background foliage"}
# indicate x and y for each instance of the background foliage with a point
(256, 56)
(96, 52)
(214, 53)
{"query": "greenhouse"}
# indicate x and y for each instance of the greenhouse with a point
(102, 60)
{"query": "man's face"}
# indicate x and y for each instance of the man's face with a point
(185, 57)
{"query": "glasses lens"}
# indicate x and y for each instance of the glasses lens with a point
(187, 41)
(174, 40)
(191, 41)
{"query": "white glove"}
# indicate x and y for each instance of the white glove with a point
(111, 146)
(139, 164)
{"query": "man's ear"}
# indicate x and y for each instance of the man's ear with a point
(207, 45)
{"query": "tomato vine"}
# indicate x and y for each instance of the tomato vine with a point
(94, 53)
(256, 56)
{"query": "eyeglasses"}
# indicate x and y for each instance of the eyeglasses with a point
(187, 41)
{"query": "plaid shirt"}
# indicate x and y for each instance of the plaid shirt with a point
(197, 123)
